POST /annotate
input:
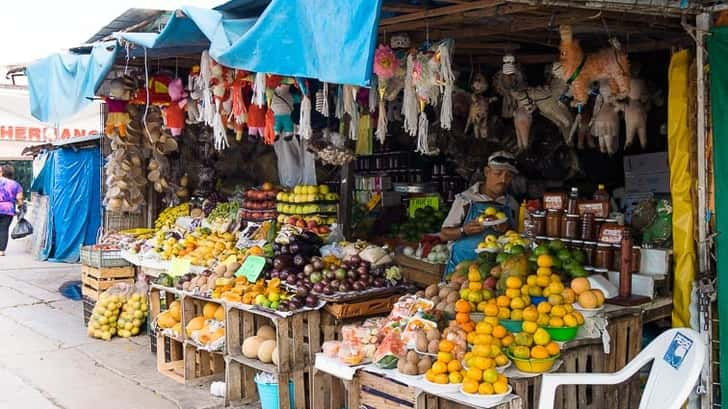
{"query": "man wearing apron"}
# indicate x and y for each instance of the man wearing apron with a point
(462, 226)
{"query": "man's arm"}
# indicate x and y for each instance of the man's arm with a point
(452, 227)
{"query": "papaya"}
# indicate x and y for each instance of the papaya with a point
(165, 320)
(195, 324)
(208, 311)
(220, 313)
(175, 310)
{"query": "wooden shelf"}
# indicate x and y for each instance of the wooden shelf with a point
(253, 363)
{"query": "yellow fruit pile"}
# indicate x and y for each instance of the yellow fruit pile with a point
(509, 306)
(171, 318)
(474, 291)
(446, 369)
(586, 296)
(535, 345)
(103, 322)
(487, 382)
(487, 341)
(168, 217)
(206, 328)
(133, 316)
(242, 291)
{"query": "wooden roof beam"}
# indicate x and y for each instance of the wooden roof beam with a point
(403, 8)
(441, 11)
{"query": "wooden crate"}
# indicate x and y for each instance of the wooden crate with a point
(418, 271)
(88, 308)
(186, 364)
(242, 390)
(377, 306)
(298, 337)
(170, 357)
(376, 391)
(97, 280)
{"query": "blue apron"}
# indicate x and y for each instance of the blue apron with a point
(463, 249)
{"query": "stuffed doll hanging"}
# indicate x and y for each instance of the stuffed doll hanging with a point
(195, 87)
(479, 108)
(281, 103)
(635, 112)
(606, 120)
(117, 117)
(507, 79)
(581, 70)
(174, 114)
(385, 66)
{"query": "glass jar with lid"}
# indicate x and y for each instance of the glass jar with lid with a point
(603, 256)
(553, 223)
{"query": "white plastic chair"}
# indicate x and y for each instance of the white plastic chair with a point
(677, 358)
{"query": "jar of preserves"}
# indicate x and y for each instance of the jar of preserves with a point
(636, 259)
(571, 226)
(553, 223)
(537, 224)
(616, 257)
(588, 227)
(590, 248)
(603, 256)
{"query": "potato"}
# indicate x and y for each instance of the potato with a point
(449, 309)
(454, 285)
(436, 299)
(412, 357)
(420, 294)
(432, 291)
(432, 334)
(421, 341)
(441, 306)
(433, 347)
(211, 282)
(452, 297)
(465, 285)
(400, 365)
(410, 369)
(220, 269)
(444, 292)
(424, 364)
(233, 267)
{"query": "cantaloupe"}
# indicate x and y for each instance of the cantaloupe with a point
(220, 313)
(251, 346)
(275, 356)
(587, 299)
(265, 352)
(177, 328)
(208, 311)
(204, 336)
(600, 297)
(579, 285)
(195, 324)
(175, 310)
(266, 332)
(219, 333)
(165, 320)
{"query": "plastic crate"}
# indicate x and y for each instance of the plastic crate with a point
(99, 258)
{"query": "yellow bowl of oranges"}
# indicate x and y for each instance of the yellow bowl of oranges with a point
(533, 365)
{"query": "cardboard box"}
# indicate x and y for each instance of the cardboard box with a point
(648, 163)
(641, 284)
(647, 182)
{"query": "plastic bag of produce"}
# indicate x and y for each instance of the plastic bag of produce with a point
(103, 322)
(390, 350)
(134, 312)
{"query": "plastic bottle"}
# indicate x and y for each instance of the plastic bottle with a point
(571, 204)
(601, 193)
(521, 216)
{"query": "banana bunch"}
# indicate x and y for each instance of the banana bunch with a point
(169, 216)
(138, 232)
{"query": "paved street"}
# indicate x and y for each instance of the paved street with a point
(47, 361)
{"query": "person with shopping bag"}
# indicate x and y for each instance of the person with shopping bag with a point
(11, 195)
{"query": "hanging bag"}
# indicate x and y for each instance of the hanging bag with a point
(23, 227)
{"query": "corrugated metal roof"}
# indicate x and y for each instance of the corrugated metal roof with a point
(149, 19)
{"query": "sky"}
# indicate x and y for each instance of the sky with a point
(33, 29)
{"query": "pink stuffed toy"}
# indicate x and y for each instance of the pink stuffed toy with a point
(174, 113)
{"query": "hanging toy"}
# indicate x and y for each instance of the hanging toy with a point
(581, 70)
(219, 94)
(282, 105)
(117, 117)
(605, 125)
(635, 113)
(239, 110)
(304, 119)
(174, 113)
(193, 108)
(479, 108)
(385, 66)
(508, 78)
(410, 106)
(447, 81)
(208, 105)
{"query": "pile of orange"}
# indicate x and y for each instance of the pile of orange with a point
(536, 345)
(585, 296)
(487, 341)
(462, 315)
(446, 369)
(484, 382)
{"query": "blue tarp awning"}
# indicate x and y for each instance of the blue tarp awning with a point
(329, 40)
(60, 85)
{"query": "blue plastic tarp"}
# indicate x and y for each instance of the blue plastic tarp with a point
(61, 84)
(329, 40)
(72, 179)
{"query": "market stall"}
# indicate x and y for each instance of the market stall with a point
(485, 212)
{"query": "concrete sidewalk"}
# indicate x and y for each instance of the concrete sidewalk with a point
(47, 361)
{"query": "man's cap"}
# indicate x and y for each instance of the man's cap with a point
(503, 160)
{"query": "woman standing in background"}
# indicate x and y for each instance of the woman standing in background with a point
(11, 195)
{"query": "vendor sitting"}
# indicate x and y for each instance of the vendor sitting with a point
(462, 225)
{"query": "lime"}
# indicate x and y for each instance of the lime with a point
(540, 250)
(578, 271)
(578, 256)
(501, 257)
(563, 255)
(518, 249)
(556, 245)
(557, 263)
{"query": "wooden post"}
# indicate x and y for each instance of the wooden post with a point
(346, 195)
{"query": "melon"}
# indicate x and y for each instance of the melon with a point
(165, 320)
(251, 346)
(208, 311)
(219, 333)
(265, 352)
(275, 356)
(587, 299)
(580, 285)
(220, 313)
(195, 324)
(600, 297)
(175, 310)
(266, 332)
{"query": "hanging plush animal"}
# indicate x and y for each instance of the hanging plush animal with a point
(195, 87)
(507, 79)
(545, 99)
(635, 112)
(522, 120)
(117, 117)
(479, 108)
(282, 105)
(174, 113)
(581, 70)
(605, 126)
